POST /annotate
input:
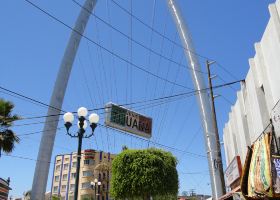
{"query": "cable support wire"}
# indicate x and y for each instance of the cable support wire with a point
(26, 158)
(157, 32)
(226, 70)
(191, 173)
(153, 142)
(125, 104)
(172, 41)
(141, 68)
(135, 41)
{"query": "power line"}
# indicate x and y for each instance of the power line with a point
(153, 104)
(31, 99)
(104, 48)
(26, 158)
(132, 103)
(36, 132)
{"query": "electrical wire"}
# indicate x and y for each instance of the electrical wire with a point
(125, 104)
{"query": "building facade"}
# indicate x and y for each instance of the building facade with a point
(94, 165)
(4, 189)
(251, 114)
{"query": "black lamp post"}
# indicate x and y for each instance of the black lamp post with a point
(94, 185)
(82, 125)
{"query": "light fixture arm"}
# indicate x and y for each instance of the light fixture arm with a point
(93, 126)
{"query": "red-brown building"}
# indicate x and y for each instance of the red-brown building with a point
(4, 189)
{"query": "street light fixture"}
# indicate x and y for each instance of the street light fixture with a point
(94, 184)
(82, 125)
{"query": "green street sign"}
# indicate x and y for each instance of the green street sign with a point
(127, 120)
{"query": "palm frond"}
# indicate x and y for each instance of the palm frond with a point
(7, 140)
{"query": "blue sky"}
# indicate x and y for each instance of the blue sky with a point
(32, 46)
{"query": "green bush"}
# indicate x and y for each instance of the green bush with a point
(144, 173)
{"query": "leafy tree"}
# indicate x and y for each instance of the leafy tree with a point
(7, 137)
(144, 173)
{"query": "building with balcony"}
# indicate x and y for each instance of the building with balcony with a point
(94, 165)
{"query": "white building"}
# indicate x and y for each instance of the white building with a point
(259, 93)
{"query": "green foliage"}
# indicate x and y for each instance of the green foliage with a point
(55, 197)
(7, 137)
(87, 198)
(144, 173)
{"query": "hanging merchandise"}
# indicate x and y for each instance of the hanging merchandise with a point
(275, 165)
(259, 180)
(261, 172)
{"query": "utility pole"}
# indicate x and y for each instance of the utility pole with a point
(218, 161)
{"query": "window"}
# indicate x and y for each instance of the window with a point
(66, 166)
(56, 178)
(73, 175)
(87, 173)
(57, 167)
(58, 161)
(66, 159)
(64, 177)
(72, 187)
(55, 188)
(63, 188)
(88, 162)
(86, 185)
(74, 164)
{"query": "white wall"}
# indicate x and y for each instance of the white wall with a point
(258, 95)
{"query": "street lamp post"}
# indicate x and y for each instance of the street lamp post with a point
(94, 184)
(82, 125)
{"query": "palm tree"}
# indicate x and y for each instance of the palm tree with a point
(7, 137)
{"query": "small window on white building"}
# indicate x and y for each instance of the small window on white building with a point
(88, 162)
(63, 188)
(57, 167)
(73, 175)
(58, 161)
(56, 178)
(86, 185)
(74, 164)
(87, 173)
(72, 187)
(55, 188)
(66, 159)
(64, 177)
(66, 166)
